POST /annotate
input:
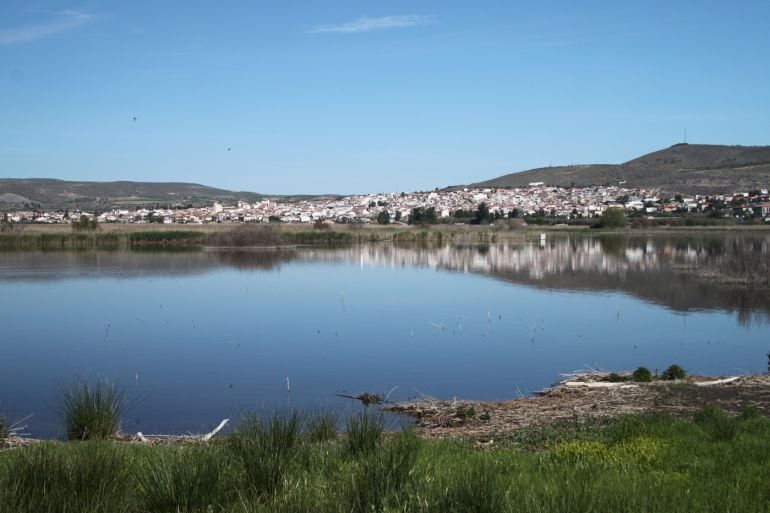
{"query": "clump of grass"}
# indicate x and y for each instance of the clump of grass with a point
(92, 411)
(642, 375)
(379, 477)
(365, 431)
(673, 372)
(321, 426)
(750, 413)
(267, 446)
(187, 479)
(719, 425)
(479, 488)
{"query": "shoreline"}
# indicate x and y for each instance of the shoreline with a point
(579, 399)
(582, 399)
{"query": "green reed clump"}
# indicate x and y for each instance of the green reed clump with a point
(321, 426)
(267, 446)
(188, 479)
(165, 237)
(379, 477)
(325, 237)
(247, 235)
(364, 431)
(95, 477)
(91, 411)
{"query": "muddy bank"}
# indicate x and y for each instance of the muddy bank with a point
(585, 399)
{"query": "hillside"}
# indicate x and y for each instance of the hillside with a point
(682, 168)
(50, 193)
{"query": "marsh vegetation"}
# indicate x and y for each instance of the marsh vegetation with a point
(711, 462)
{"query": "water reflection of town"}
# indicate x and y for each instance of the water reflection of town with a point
(657, 270)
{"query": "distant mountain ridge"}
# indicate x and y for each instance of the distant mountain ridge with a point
(682, 168)
(59, 194)
(52, 193)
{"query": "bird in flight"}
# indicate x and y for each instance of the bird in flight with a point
(135, 118)
(228, 148)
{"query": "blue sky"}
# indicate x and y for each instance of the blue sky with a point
(366, 96)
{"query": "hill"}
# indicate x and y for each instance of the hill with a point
(682, 168)
(59, 194)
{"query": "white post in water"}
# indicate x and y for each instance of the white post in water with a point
(542, 240)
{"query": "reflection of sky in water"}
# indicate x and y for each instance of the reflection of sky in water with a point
(207, 344)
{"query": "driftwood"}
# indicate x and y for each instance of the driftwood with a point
(171, 439)
(598, 384)
(716, 382)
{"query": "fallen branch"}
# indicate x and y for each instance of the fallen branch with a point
(716, 382)
(216, 430)
(598, 384)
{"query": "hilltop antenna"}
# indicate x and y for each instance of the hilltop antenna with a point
(685, 136)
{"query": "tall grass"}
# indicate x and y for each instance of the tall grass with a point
(364, 431)
(188, 480)
(321, 426)
(649, 463)
(379, 478)
(91, 411)
(267, 447)
(90, 477)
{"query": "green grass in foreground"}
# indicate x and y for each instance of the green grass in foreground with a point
(270, 464)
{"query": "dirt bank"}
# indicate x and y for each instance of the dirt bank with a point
(585, 398)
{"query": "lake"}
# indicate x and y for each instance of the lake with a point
(200, 336)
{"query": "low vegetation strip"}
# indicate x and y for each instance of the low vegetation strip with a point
(711, 461)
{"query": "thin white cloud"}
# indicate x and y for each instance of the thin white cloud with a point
(366, 24)
(64, 21)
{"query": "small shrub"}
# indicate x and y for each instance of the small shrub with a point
(673, 372)
(614, 377)
(92, 412)
(321, 426)
(320, 224)
(642, 375)
(85, 224)
(365, 431)
(465, 412)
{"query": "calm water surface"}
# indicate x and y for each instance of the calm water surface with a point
(201, 336)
